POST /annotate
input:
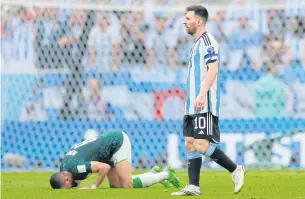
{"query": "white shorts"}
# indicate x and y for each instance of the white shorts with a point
(124, 153)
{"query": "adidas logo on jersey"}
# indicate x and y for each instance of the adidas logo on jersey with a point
(201, 132)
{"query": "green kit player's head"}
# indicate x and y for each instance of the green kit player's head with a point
(62, 180)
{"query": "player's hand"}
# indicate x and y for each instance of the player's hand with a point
(199, 102)
(86, 187)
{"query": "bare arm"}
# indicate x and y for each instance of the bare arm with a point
(210, 78)
(172, 56)
(65, 40)
(102, 169)
(91, 54)
(116, 57)
(140, 35)
(206, 85)
(149, 53)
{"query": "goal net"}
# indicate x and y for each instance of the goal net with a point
(71, 70)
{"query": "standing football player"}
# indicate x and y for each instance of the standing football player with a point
(200, 123)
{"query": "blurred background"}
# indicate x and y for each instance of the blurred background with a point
(71, 69)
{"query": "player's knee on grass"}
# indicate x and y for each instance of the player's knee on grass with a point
(127, 183)
(123, 170)
(189, 144)
(113, 178)
(201, 145)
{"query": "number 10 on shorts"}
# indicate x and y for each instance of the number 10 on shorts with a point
(200, 122)
(204, 124)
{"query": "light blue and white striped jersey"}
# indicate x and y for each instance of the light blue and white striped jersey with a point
(204, 52)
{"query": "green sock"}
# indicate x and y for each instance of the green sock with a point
(148, 179)
(137, 183)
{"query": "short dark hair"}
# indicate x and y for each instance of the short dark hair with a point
(55, 180)
(199, 10)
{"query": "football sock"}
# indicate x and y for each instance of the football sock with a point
(194, 165)
(220, 157)
(148, 179)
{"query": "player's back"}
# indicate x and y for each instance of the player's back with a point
(99, 149)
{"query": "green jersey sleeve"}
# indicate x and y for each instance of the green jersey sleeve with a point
(80, 169)
(84, 167)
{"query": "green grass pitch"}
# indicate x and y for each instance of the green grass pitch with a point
(282, 184)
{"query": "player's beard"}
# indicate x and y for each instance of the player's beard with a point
(190, 31)
(74, 184)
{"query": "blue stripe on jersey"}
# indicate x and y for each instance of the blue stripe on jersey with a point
(188, 99)
(197, 71)
(218, 89)
(217, 98)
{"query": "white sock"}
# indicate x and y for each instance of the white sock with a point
(148, 179)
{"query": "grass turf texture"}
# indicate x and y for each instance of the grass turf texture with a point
(282, 184)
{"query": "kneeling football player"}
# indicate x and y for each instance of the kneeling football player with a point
(108, 155)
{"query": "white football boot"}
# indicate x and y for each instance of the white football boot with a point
(189, 190)
(238, 178)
